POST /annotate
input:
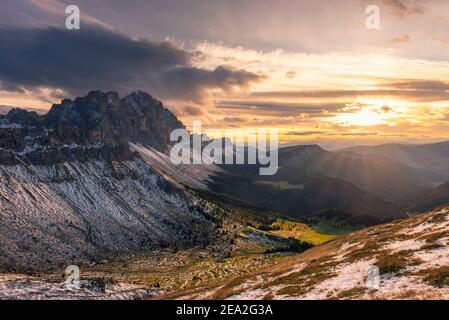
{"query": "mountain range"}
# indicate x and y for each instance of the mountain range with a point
(369, 187)
(92, 180)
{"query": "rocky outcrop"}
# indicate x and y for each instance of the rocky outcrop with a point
(73, 191)
(97, 126)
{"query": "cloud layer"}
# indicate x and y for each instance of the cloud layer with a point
(75, 62)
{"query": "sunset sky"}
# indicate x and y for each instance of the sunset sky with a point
(310, 68)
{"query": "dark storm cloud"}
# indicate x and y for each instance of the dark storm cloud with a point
(96, 58)
(199, 80)
(74, 60)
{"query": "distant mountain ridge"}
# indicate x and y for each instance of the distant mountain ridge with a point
(380, 176)
(311, 179)
(433, 157)
(4, 109)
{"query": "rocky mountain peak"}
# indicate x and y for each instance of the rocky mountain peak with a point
(99, 120)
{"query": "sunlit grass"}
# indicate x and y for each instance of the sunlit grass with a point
(301, 231)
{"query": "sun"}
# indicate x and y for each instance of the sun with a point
(371, 112)
(360, 118)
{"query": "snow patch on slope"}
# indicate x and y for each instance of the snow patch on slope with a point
(60, 214)
(192, 175)
(28, 288)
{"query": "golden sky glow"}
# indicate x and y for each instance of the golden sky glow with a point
(344, 95)
(323, 77)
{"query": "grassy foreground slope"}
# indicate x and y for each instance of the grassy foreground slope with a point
(412, 256)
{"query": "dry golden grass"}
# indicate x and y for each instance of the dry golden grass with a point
(437, 277)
